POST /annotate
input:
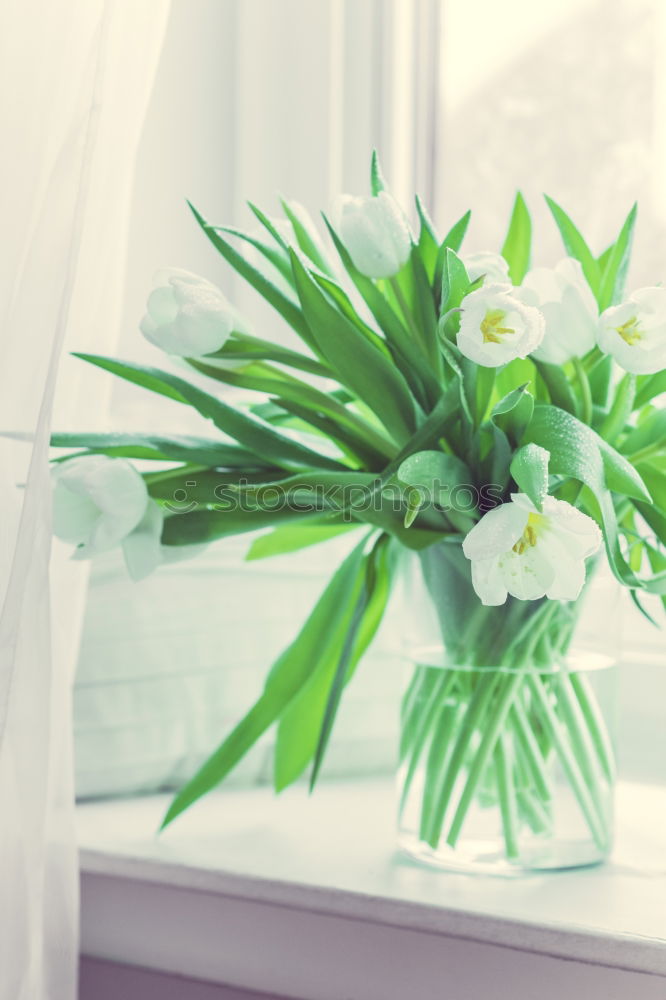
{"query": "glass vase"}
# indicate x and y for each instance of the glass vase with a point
(506, 746)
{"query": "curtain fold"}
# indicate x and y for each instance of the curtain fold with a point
(75, 79)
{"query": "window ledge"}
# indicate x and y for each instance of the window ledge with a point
(307, 898)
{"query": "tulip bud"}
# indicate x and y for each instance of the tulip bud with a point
(635, 331)
(187, 315)
(375, 232)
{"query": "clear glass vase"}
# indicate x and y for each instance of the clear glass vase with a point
(506, 746)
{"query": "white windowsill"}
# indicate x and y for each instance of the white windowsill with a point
(306, 897)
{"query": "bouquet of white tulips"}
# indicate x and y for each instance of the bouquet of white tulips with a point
(500, 422)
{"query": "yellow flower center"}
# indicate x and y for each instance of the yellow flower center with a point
(528, 539)
(630, 331)
(491, 329)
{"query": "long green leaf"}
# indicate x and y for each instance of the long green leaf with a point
(518, 242)
(294, 537)
(360, 366)
(576, 246)
(427, 246)
(304, 728)
(366, 618)
(288, 674)
(245, 347)
(452, 241)
(250, 432)
(278, 258)
(649, 386)
(425, 310)
(620, 411)
(199, 527)
(306, 235)
(614, 273)
(263, 378)
(513, 414)
(558, 386)
(650, 431)
(377, 181)
(285, 306)
(411, 361)
(175, 448)
(455, 282)
(529, 468)
(345, 305)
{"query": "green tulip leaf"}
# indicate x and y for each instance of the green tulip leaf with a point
(518, 243)
(320, 634)
(250, 432)
(576, 246)
(529, 468)
(377, 181)
(614, 271)
(285, 306)
(175, 448)
(360, 365)
(513, 414)
(294, 537)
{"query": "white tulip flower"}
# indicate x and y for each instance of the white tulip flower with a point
(375, 232)
(487, 264)
(187, 315)
(100, 503)
(569, 309)
(496, 327)
(143, 550)
(516, 549)
(635, 331)
(97, 502)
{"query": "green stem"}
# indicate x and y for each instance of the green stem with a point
(585, 392)
(531, 750)
(568, 761)
(436, 764)
(507, 799)
(491, 737)
(436, 699)
(475, 711)
(648, 452)
(533, 811)
(595, 724)
(581, 742)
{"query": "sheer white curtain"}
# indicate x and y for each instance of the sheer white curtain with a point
(74, 80)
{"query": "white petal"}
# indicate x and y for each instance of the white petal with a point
(647, 355)
(197, 331)
(375, 233)
(187, 315)
(114, 487)
(525, 322)
(491, 265)
(141, 548)
(569, 579)
(162, 306)
(74, 515)
(497, 531)
(487, 582)
(579, 533)
(527, 575)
